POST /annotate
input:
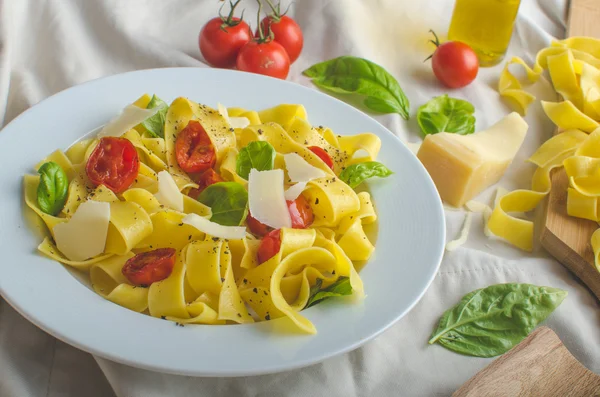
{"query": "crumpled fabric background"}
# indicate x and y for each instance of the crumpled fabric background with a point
(49, 45)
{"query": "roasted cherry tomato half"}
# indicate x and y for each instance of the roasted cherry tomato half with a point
(193, 149)
(256, 227)
(149, 267)
(269, 246)
(300, 212)
(205, 179)
(114, 163)
(322, 155)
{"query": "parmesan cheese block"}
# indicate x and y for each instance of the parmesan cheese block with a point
(461, 166)
(266, 198)
(84, 235)
(168, 192)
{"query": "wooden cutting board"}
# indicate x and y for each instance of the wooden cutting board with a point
(539, 366)
(568, 238)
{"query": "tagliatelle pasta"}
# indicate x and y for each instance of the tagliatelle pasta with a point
(574, 68)
(184, 162)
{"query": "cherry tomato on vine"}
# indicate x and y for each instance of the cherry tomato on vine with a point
(269, 246)
(114, 163)
(149, 267)
(268, 58)
(193, 149)
(455, 64)
(221, 39)
(322, 154)
(263, 55)
(285, 31)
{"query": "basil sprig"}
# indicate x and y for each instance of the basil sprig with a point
(259, 155)
(341, 287)
(155, 125)
(355, 174)
(363, 78)
(228, 202)
(490, 321)
(445, 114)
(52, 189)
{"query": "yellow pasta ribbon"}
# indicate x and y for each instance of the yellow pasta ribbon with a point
(108, 281)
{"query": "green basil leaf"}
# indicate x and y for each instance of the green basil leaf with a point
(259, 155)
(341, 287)
(228, 202)
(355, 174)
(490, 321)
(155, 125)
(358, 76)
(52, 189)
(445, 114)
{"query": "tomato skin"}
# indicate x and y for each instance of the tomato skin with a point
(300, 212)
(205, 179)
(193, 149)
(287, 33)
(268, 58)
(114, 163)
(220, 48)
(256, 227)
(455, 64)
(149, 267)
(269, 246)
(322, 154)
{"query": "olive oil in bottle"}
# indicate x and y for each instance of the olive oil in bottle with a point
(485, 25)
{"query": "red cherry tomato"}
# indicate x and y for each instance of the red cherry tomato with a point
(455, 64)
(221, 39)
(322, 155)
(269, 246)
(300, 212)
(268, 58)
(193, 149)
(149, 267)
(256, 227)
(205, 179)
(113, 163)
(287, 33)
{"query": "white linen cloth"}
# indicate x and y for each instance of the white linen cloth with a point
(50, 45)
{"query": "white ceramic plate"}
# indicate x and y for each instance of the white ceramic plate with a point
(409, 246)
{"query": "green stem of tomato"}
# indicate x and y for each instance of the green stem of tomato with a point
(229, 22)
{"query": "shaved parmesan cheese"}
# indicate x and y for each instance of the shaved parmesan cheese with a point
(214, 229)
(294, 191)
(266, 198)
(168, 193)
(129, 118)
(234, 122)
(84, 235)
(239, 122)
(464, 234)
(299, 170)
